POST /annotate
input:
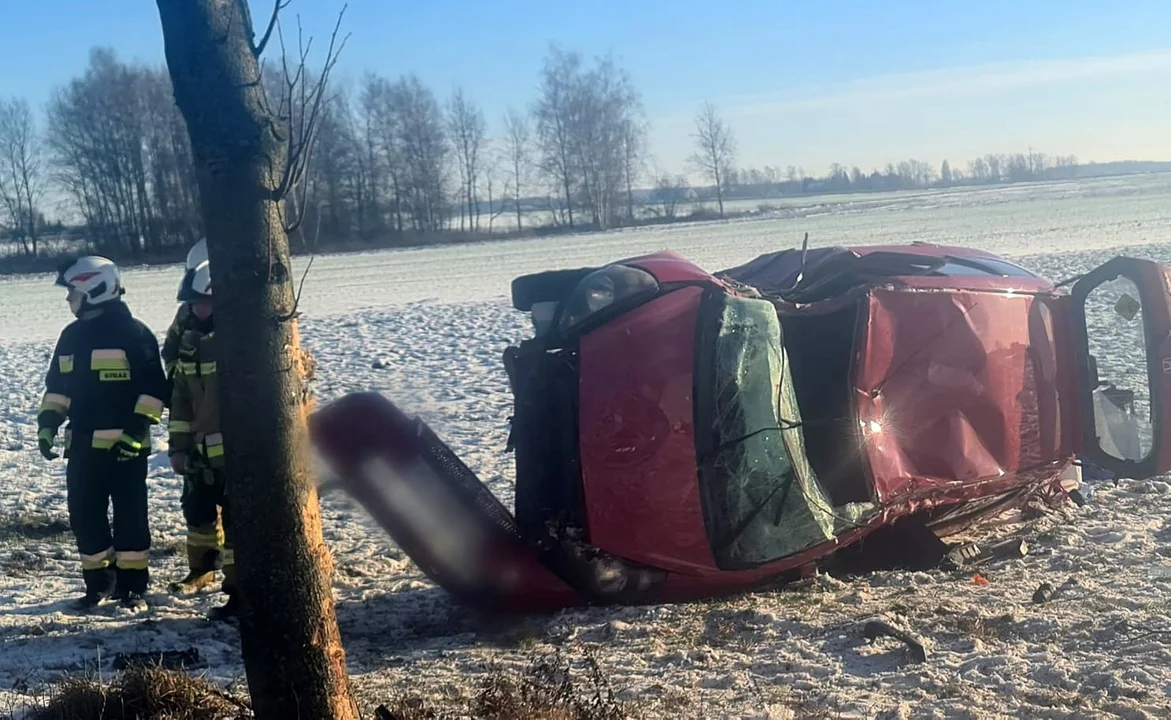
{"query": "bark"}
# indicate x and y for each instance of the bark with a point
(292, 649)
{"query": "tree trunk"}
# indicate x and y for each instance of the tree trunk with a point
(292, 649)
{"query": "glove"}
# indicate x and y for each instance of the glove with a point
(45, 440)
(127, 448)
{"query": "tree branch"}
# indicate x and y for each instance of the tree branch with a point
(304, 104)
(279, 5)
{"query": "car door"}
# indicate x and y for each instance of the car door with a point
(1121, 321)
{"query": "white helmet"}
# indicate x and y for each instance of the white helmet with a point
(196, 256)
(92, 280)
(199, 288)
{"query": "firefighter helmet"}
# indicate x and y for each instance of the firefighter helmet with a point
(196, 256)
(91, 280)
(199, 287)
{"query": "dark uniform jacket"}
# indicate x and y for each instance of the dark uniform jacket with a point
(106, 379)
(194, 423)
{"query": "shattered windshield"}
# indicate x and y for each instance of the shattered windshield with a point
(761, 500)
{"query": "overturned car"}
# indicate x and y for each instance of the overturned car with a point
(680, 434)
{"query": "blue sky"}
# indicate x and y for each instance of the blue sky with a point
(802, 82)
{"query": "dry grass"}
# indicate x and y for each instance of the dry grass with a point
(148, 693)
(549, 689)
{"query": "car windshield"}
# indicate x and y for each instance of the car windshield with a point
(762, 500)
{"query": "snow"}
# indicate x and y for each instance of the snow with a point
(427, 327)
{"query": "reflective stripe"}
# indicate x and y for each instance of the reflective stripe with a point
(178, 426)
(229, 556)
(130, 442)
(109, 359)
(97, 561)
(132, 559)
(214, 444)
(65, 363)
(149, 406)
(55, 402)
(106, 439)
(185, 367)
(46, 434)
(207, 368)
(202, 538)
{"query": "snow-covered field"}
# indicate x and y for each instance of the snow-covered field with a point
(439, 321)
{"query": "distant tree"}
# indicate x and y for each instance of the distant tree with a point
(669, 192)
(518, 156)
(467, 130)
(715, 149)
(634, 131)
(555, 116)
(945, 173)
(23, 177)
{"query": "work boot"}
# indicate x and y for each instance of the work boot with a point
(90, 600)
(99, 586)
(194, 581)
(227, 611)
(132, 601)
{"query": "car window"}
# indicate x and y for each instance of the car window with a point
(982, 266)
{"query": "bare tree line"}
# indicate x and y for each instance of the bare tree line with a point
(394, 163)
(908, 174)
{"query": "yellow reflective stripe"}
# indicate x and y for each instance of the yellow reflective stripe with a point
(106, 439)
(205, 536)
(109, 359)
(186, 367)
(65, 363)
(228, 556)
(46, 434)
(178, 426)
(207, 368)
(150, 407)
(55, 402)
(132, 559)
(97, 561)
(214, 444)
(130, 442)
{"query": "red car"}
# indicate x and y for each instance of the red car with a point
(681, 434)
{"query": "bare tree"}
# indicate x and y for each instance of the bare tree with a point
(22, 172)
(518, 155)
(467, 130)
(715, 149)
(554, 113)
(292, 649)
(669, 192)
(634, 131)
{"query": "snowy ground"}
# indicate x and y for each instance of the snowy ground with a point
(1102, 648)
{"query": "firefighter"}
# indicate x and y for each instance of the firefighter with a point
(106, 381)
(196, 445)
(199, 499)
(183, 319)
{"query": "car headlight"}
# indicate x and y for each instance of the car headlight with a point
(602, 289)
